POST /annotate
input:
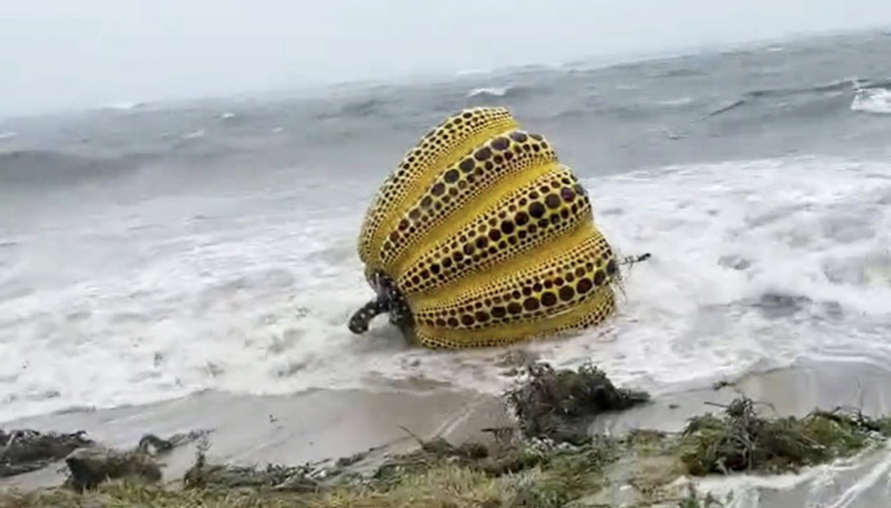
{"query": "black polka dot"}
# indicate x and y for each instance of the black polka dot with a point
(507, 227)
(567, 293)
(499, 312)
(552, 200)
(536, 209)
(531, 304)
(548, 299)
(467, 165)
(500, 143)
(611, 267)
(599, 277)
(518, 136)
(451, 176)
(466, 320)
(584, 285)
(514, 308)
(483, 154)
(482, 316)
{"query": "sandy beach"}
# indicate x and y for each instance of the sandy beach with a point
(319, 425)
(293, 430)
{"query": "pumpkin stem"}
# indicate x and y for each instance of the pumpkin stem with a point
(361, 320)
(633, 260)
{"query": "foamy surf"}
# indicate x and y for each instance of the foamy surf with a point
(488, 92)
(872, 100)
(755, 264)
(857, 481)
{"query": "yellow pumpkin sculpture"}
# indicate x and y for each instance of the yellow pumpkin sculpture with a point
(482, 237)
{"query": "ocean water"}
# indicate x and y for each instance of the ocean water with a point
(151, 250)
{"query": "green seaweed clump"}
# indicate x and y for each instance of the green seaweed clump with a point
(742, 441)
(560, 404)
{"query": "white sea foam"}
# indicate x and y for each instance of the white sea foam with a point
(872, 100)
(679, 101)
(754, 264)
(126, 106)
(198, 134)
(489, 92)
(844, 483)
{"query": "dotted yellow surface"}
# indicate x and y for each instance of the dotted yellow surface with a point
(489, 238)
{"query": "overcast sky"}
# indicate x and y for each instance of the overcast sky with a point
(74, 53)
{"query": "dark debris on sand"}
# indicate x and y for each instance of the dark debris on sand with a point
(560, 404)
(23, 451)
(89, 467)
(276, 477)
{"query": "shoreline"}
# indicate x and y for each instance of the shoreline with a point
(307, 427)
(328, 425)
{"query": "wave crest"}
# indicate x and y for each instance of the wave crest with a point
(872, 100)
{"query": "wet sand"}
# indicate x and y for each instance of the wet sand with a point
(320, 425)
(292, 429)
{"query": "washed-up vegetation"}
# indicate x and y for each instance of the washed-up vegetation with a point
(548, 460)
